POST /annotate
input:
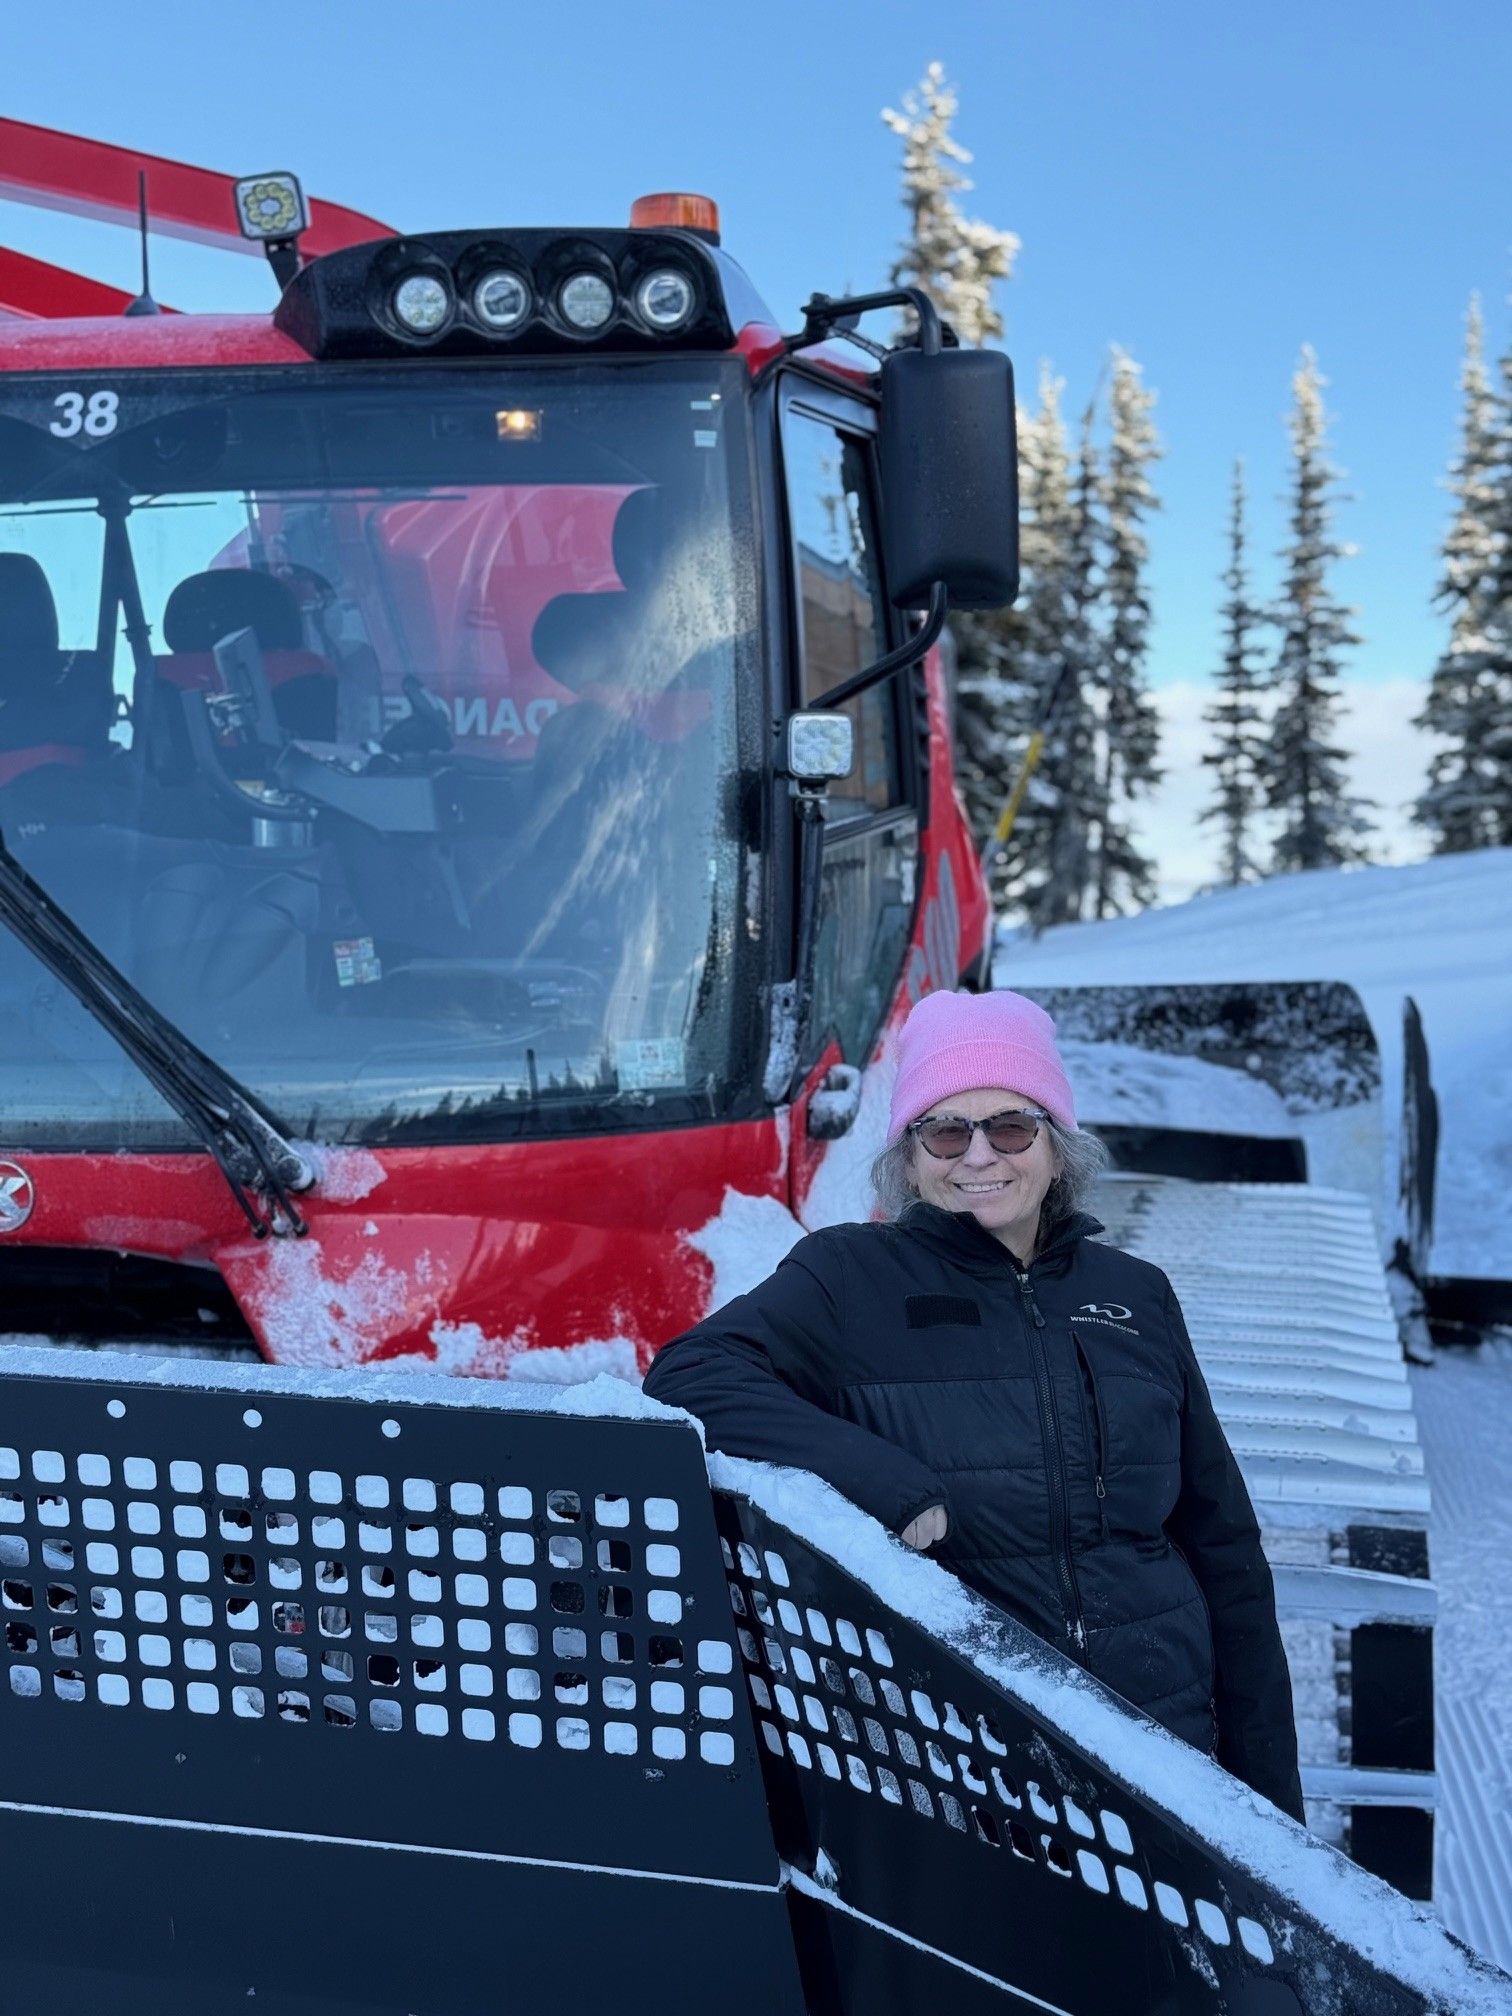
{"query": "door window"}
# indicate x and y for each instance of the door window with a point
(843, 612)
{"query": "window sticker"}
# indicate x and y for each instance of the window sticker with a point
(650, 1062)
(357, 964)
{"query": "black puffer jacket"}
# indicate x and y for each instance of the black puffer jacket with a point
(1058, 1413)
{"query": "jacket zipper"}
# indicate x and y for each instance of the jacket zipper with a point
(1060, 1505)
(1100, 1455)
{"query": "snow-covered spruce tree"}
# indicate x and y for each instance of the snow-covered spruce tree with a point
(1321, 824)
(1238, 745)
(1131, 724)
(1468, 798)
(1043, 647)
(957, 260)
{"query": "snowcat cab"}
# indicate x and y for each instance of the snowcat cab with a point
(468, 760)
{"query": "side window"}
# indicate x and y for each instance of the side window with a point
(866, 899)
(842, 612)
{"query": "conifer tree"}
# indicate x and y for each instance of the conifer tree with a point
(1131, 725)
(1238, 748)
(1321, 824)
(1468, 799)
(1045, 649)
(957, 260)
(1079, 805)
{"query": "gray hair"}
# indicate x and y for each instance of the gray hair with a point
(1082, 1159)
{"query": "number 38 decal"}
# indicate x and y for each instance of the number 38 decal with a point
(93, 413)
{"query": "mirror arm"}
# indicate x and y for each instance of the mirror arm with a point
(908, 653)
(824, 315)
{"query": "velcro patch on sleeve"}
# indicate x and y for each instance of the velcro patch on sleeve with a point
(925, 1312)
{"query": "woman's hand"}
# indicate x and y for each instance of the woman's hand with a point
(927, 1530)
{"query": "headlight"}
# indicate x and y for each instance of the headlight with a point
(664, 300)
(422, 303)
(586, 300)
(501, 300)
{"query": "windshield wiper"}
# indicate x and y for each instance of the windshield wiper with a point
(263, 1169)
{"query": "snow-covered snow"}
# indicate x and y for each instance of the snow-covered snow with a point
(1358, 1909)
(343, 1174)
(1439, 930)
(744, 1242)
(1463, 1403)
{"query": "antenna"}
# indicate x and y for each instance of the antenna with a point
(144, 303)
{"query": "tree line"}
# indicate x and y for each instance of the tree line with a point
(1066, 667)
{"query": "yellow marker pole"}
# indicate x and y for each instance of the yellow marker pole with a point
(1027, 769)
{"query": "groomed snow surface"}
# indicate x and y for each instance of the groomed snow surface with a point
(1439, 930)
(1463, 1403)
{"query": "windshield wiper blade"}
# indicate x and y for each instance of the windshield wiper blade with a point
(262, 1167)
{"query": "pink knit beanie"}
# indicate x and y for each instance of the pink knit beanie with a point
(960, 1042)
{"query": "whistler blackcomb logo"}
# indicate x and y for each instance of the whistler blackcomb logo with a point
(1111, 1312)
(16, 1197)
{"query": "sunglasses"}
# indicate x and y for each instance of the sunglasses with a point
(948, 1138)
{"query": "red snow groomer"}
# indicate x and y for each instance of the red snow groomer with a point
(474, 790)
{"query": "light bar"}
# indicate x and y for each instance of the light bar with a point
(520, 292)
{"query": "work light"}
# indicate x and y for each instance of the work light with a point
(422, 303)
(586, 300)
(501, 299)
(664, 299)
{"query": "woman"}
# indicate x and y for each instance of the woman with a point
(980, 1376)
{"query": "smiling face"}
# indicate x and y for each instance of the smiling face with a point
(1002, 1192)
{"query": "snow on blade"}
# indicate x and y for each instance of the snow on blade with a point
(1399, 1937)
(1119, 1083)
(600, 1398)
(567, 1364)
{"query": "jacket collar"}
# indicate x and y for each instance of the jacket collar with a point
(960, 1237)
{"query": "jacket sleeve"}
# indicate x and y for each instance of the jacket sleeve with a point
(1214, 1525)
(759, 1374)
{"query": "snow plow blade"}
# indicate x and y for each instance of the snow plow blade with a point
(1249, 1081)
(394, 1694)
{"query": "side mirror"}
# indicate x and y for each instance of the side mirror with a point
(948, 450)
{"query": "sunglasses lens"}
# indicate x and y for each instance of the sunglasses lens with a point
(1012, 1135)
(948, 1138)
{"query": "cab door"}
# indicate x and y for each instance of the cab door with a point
(844, 622)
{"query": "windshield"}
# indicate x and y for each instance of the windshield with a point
(381, 727)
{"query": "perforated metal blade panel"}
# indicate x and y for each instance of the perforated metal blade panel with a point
(418, 1649)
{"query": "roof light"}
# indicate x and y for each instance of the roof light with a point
(501, 300)
(664, 299)
(271, 207)
(678, 211)
(518, 423)
(422, 303)
(586, 300)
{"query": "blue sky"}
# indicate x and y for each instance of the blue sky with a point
(1209, 186)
